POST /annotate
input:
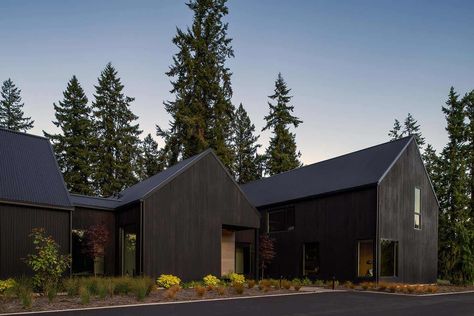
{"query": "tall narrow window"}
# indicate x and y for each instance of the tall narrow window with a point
(388, 258)
(311, 259)
(366, 258)
(417, 208)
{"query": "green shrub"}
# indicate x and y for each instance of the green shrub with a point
(318, 283)
(84, 295)
(142, 287)
(47, 263)
(109, 284)
(23, 289)
(236, 278)
(275, 283)
(6, 285)
(92, 285)
(210, 280)
(296, 284)
(102, 290)
(51, 291)
(71, 285)
(123, 285)
(306, 282)
(167, 280)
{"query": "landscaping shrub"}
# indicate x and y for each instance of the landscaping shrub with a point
(6, 285)
(71, 285)
(432, 289)
(251, 283)
(318, 283)
(172, 291)
(410, 289)
(221, 290)
(238, 287)
(102, 290)
(47, 263)
(296, 284)
(200, 290)
(306, 282)
(275, 283)
(51, 291)
(123, 285)
(167, 280)
(286, 284)
(23, 289)
(382, 286)
(211, 281)
(92, 285)
(392, 288)
(84, 295)
(142, 287)
(109, 285)
(349, 285)
(264, 285)
(236, 278)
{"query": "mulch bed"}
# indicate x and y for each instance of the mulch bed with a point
(40, 303)
(440, 289)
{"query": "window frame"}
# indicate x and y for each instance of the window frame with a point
(415, 213)
(284, 209)
(318, 258)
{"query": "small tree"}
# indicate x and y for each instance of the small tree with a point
(97, 237)
(266, 251)
(47, 263)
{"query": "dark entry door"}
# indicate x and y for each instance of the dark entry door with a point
(128, 241)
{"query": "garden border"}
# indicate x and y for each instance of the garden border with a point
(412, 295)
(169, 303)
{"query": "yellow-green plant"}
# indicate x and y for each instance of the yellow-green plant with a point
(236, 278)
(168, 280)
(211, 281)
(6, 285)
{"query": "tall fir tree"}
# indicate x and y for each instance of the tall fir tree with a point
(282, 154)
(117, 149)
(410, 127)
(468, 101)
(246, 166)
(202, 111)
(73, 145)
(396, 131)
(11, 113)
(151, 158)
(456, 256)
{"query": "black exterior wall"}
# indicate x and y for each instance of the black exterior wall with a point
(183, 221)
(16, 223)
(418, 249)
(336, 222)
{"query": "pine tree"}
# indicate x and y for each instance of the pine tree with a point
(73, 145)
(468, 101)
(396, 132)
(281, 155)
(411, 127)
(151, 158)
(455, 226)
(116, 163)
(11, 113)
(246, 166)
(202, 111)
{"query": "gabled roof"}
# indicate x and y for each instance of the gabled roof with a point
(357, 169)
(95, 202)
(29, 172)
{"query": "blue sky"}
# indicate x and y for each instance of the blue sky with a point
(353, 66)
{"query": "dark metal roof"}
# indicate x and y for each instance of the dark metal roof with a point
(143, 188)
(356, 169)
(95, 202)
(29, 172)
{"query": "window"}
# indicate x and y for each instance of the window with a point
(281, 220)
(310, 259)
(82, 264)
(417, 208)
(365, 249)
(388, 258)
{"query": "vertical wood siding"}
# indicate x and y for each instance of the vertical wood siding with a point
(418, 249)
(16, 223)
(336, 222)
(184, 219)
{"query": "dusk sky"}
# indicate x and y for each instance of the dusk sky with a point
(353, 66)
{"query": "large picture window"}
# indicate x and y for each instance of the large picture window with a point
(388, 258)
(417, 208)
(281, 220)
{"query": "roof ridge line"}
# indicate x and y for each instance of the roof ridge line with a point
(95, 197)
(23, 133)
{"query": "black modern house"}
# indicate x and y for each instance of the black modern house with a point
(368, 215)
(371, 214)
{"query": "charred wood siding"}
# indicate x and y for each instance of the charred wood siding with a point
(16, 223)
(84, 218)
(183, 221)
(417, 248)
(336, 222)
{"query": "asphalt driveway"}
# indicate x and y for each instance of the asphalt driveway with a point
(339, 303)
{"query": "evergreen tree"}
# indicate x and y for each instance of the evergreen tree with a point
(455, 227)
(246, 166)
(202, 111)
(468, 101)
(411, 127)
(11, 113)
(396, 132)
(73, 145)
(117, 147)
(151, 159)
(281, 155)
